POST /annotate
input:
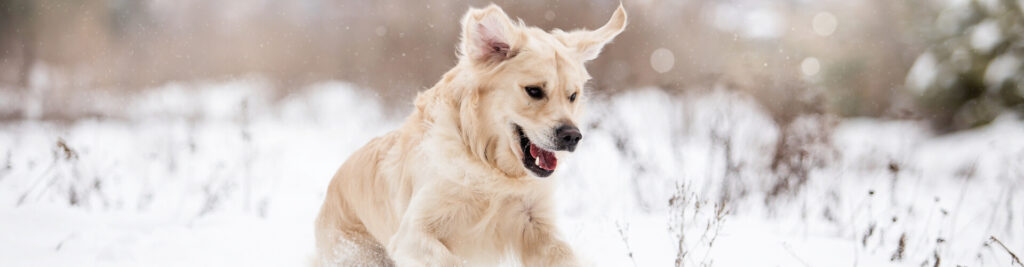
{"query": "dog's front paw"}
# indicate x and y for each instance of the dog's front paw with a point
(442, 261)
(556, 254)
(417, 251)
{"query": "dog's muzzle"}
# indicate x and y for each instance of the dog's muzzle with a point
(567, 136)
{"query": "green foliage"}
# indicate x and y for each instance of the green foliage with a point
(973, 71)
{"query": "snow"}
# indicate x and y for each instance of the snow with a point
(985, 36)
(763, 24)
(725, 17)
(751, 20)
(220, 174)
(1001, 68)
(923, 73)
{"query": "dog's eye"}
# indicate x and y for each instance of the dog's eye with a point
(535, 92)
(572, 98)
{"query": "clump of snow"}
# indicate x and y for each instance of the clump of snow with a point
(1001, 68)
(986, 35)
(923, 73)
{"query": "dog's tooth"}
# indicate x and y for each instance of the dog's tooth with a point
(536, 161)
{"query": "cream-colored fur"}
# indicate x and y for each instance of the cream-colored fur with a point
(450, 188)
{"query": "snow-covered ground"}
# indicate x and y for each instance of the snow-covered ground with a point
(218, 174)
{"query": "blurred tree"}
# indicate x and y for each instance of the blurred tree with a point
(973, 70)
(16, 38)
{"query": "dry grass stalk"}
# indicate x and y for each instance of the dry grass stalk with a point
(1016, 260)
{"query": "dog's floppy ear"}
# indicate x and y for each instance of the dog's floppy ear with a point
(488, 35)
(588, 44)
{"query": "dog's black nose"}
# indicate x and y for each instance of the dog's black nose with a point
(568, 136)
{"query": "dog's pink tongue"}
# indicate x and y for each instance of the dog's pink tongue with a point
(547, 159)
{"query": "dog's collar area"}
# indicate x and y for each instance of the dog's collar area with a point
(533, 155)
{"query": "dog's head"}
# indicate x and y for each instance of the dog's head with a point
(528, 88)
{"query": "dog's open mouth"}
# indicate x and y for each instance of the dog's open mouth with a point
(538, 160)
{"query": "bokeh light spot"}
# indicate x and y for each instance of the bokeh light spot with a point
(550, 15)
(810, 66)
(824, 23)
(662, 60)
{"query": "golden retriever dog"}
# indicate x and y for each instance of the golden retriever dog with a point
(464, 180)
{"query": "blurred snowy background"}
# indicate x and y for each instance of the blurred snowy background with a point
(719, 133)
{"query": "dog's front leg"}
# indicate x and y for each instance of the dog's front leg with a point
(542, 247)
(416, 248)
(418, 239)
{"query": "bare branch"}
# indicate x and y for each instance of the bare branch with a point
(1012, 255)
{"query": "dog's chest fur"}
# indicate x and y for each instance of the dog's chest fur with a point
(486, 224)
(475, 209)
